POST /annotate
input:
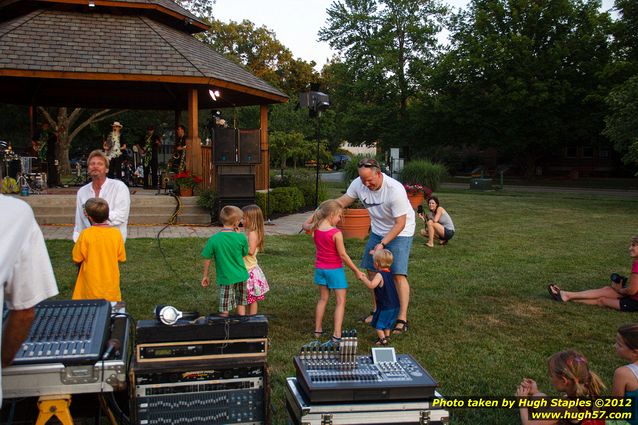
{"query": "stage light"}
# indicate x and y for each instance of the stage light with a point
(214, 94)
(91, 3)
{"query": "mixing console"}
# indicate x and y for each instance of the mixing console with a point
(66, 331)
(324, 378)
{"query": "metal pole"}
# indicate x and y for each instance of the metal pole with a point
(317, 179)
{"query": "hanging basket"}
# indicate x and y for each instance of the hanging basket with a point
(355, 223)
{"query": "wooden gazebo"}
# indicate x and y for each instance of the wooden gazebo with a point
(136, 54)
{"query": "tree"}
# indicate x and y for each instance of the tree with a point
(388, 46)
(524, 76)
(258, 49)
(622, 121)
(68, 126)
(199, 8)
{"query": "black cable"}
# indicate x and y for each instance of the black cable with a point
(171, 221)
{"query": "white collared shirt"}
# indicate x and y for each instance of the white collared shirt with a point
(116, 194)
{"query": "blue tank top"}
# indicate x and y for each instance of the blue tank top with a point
(634, 395)
(386, 296)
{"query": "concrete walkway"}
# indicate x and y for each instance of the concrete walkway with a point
(291, 224)
(288, 225)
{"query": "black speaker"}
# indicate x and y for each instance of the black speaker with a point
(236, 185)
(249, 146)
(225, 146)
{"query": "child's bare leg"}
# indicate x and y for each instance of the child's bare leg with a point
(340, 311)
(252, 308)
(223, 314)
(381, 333)
(324, 295)
(386, 333)
(241, 310)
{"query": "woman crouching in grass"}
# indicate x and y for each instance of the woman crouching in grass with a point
(621, 294)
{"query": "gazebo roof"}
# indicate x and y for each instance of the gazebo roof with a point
(124, 54)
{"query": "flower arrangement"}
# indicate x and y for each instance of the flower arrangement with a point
(415, 188)
(186, 179)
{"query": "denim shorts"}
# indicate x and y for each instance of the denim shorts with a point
(332, 278)
(400, 248)
(447, 235)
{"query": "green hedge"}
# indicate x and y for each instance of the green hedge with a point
(283, 200)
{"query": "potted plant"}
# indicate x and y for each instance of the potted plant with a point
(186, 182)
(355, 222)
(416, 193)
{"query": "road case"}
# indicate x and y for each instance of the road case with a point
(301, 412)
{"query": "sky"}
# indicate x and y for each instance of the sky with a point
(296, 22)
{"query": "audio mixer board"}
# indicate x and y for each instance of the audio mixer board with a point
(325, 380)
(66, 331)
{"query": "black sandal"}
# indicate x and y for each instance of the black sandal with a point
(400, 330)
(381, 342)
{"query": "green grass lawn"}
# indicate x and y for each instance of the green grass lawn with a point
(480, 316)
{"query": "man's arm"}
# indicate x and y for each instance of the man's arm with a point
(399, 225)
(121, 207)
(15, 332)
(345, 201)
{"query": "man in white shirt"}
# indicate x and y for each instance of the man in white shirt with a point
(26, 274)
(392, 222)
(113, 191)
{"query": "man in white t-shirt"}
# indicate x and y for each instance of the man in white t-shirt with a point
(26, 274)
(392, 222)
(114, 192)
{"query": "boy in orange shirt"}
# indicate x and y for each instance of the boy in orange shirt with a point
(97, 251)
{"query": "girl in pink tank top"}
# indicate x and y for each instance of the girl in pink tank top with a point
(329, 272)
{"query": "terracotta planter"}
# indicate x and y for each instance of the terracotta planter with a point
(416, 199)
(355, 223)
(185, 191)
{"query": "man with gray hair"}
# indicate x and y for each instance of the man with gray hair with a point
(113, 191)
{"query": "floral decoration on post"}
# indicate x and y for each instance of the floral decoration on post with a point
(187, 180)
(415, 189)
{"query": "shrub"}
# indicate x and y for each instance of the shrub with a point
(423, 172)
(277, 180)
(350, 170)
(286, 200)
(306, 181)
(208, 200)
(261, 199)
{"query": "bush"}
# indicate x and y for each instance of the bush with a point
(261, 199)
(423, 172)
(351, 170)
(209, 200)
(277, 180)
(286, 200)
(306, 181)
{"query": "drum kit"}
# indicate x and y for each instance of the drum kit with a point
(27, 170)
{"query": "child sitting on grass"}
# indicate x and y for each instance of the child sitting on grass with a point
(570, 374)
(98, 251)
(228, 247)
(385, 295)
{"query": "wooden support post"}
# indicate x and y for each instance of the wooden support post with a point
(263, 169)
(193, 142)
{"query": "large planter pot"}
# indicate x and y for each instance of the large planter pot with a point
(185, 191)
(355, 223)
(416, 199)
